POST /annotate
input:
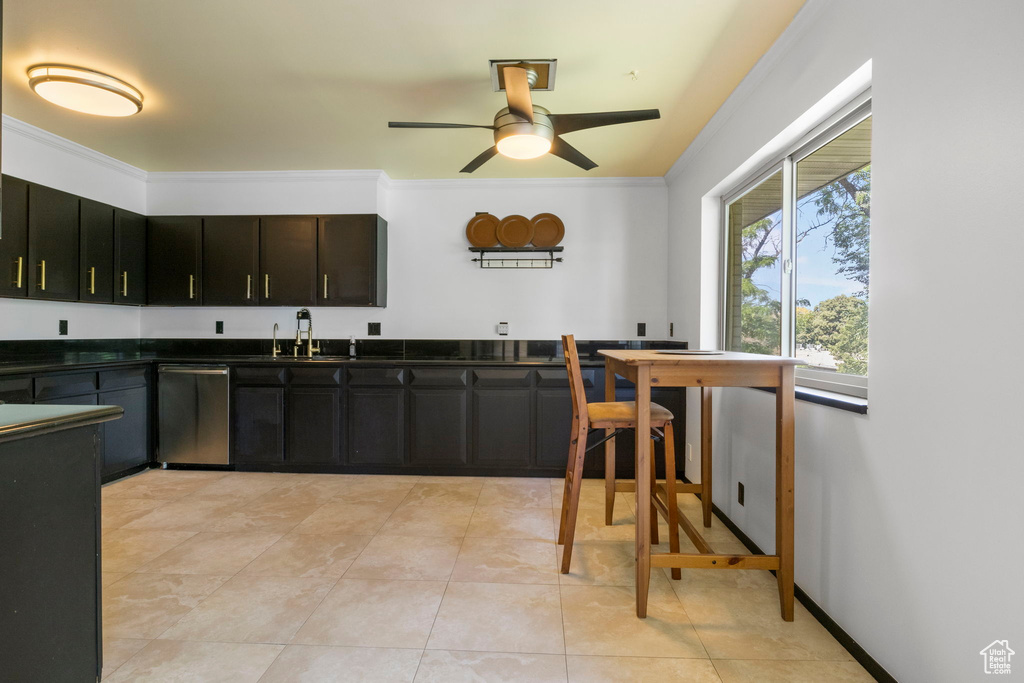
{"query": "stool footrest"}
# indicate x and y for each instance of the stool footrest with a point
(713, 561)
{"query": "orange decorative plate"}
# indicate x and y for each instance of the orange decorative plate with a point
(482, 230)
(515, 231)
(548, 230)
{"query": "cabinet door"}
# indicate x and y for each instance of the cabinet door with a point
(52, 243)
(230, 260)
(314, 417)
(129, 258)
(14, 264)
(288, 261)
(126, 441)
(438, 416)
(257, 434)
(554, 415)
(376, 425)
(348, 266)
(172, 264)
(96, 252)
(501, 426)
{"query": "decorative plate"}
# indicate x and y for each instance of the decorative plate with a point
(515, 231)
(548, 230)
(482, 230)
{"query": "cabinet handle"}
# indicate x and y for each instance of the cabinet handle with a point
(248, 287)
(92, 280)
(124, 283)
(191, 286)
(266, 286)
(21, 263)
(42, 275)
(325, 287)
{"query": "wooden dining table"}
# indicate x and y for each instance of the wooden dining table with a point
(651, 368)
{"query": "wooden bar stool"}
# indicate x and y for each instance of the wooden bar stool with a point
(616, 416)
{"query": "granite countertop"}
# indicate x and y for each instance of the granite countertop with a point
(23, 421)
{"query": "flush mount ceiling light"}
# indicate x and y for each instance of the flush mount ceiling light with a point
(84, 90)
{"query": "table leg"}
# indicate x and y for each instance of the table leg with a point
(784, 407)
(609, 452)
(643, 488)
(705, 454)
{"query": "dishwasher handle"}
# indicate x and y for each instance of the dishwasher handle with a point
(191, 370)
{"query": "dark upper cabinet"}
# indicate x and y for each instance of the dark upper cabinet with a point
(14, 241)
(288, 261)
(96, 252)
(230, 260)
(129, 258)
(52, 244)
(352, 261)
(172, 264)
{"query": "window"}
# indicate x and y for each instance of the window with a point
(797, 258)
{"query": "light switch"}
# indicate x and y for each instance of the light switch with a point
(503, 329)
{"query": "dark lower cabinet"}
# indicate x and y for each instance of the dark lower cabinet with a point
(173, 276)
(230, 260)
(314, 425)
(502, 417)
(126, 441)
(50, 558)
(129, 258)
(14, 262)
(96, 252)
(257, 425)
(52, 244)
(437, 426)
(375, 425)
(288, 261)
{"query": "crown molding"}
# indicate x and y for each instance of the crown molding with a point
(14, 126)
(804, 21)
(488, 183)
(264, 176)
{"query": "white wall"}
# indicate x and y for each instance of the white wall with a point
(908, 519)
(613, 275)
(41, 157)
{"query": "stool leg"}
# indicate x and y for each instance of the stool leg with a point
(574, 498)
(670, 493)
(609, 478)
(705, 454)
(654, 494)
(570, 463)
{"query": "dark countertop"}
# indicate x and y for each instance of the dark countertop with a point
(23, 421)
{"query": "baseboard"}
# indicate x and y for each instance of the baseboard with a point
(845, 639)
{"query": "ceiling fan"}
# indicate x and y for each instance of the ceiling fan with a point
(524, 130)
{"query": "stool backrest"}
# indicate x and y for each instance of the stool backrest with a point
(572, 366)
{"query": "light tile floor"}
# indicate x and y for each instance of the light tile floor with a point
(212, 576)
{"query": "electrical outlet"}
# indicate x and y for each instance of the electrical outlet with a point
(689, 452)
(62, 327)
(671, 329)
(503, 329)
(641, 329)
(739, 493)
(220, 327)
(373, 329)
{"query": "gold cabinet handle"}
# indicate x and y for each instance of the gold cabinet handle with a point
(92, 280)
(42, 275)
(124, 283)
(266, 286)
(21, 265)
(325, 287)
(248, 287)
(191, 286)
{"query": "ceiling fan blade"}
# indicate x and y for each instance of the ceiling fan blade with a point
(517, 91)
(561, 148)
(480, 160)
(567, 123)
(408, 124)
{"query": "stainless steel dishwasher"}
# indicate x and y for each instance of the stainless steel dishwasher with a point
(193, 414)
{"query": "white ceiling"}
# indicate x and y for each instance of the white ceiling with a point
(245, 85)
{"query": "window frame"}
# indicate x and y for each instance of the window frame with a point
(845, 118)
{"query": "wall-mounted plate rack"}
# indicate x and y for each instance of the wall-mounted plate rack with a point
(499, 260)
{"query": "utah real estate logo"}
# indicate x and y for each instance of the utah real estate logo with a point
(997, 657)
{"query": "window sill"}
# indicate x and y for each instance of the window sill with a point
(831, 399)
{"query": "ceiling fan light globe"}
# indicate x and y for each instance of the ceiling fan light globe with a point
(524, 146)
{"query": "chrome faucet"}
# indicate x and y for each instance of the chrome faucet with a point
(276, 349)
(304, 314)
